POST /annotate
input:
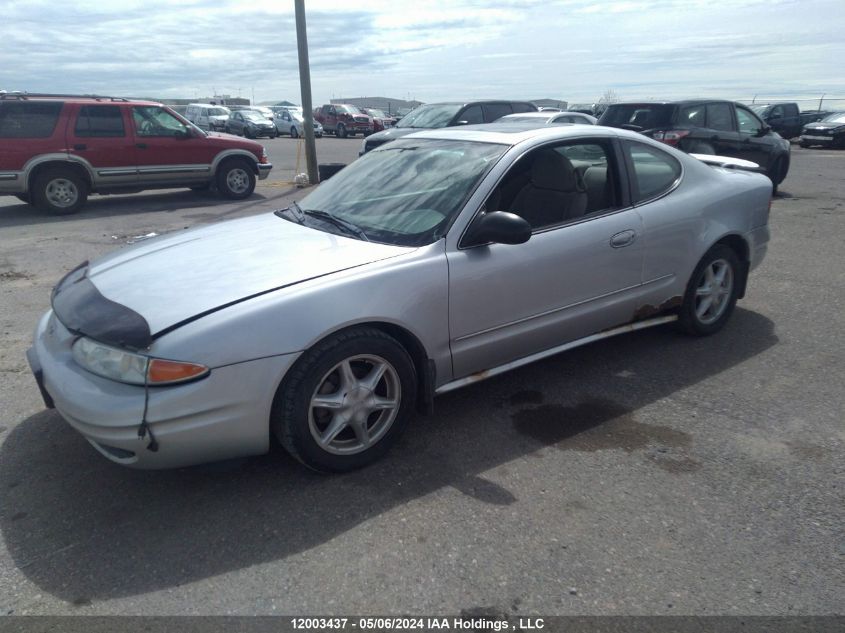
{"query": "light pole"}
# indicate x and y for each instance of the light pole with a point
(305, 87)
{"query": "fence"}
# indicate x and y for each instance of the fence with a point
(822, 102)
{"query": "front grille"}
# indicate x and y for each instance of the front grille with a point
(361, 119)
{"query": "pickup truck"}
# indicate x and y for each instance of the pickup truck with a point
(342, 120)
(785, 119)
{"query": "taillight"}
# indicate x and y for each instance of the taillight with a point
(670, 137)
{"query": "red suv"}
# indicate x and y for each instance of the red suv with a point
(343, 119)
(55, 150)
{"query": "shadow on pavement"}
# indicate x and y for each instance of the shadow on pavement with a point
(84, 529)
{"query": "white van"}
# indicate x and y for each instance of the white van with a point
(207, 117)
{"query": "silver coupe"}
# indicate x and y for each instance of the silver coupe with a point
(430, 263)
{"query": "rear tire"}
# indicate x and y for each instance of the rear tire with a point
(60, 191)
(236, 179)
(345, 401)
(711, 293)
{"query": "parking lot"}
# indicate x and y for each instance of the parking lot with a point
(645, 474)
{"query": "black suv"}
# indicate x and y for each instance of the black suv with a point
(436, 115)
(706, 126)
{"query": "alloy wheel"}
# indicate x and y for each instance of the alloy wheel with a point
(712, 296)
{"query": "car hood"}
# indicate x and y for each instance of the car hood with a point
(174, 278)
(823, 126)
(393, 133)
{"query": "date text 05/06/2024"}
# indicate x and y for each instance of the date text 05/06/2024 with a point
(416, 624)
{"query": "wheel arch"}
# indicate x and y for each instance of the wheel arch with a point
(35, 170)
(230, 154)
(740, 247)
(423, 364)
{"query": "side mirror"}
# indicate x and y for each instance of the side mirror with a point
(763, 131)
(184, 133)
(498, 227)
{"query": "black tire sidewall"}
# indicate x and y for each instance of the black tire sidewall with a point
(289, 420)
(223, 185)
(687, 318)
(39, 192)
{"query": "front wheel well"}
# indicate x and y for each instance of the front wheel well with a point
(250, 160)
(423, 365)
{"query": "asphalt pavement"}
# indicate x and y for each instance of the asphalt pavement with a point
(651, 473)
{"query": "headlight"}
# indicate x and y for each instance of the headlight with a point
(134, 369)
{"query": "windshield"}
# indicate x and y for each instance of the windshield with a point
(376, 113)
(217, 112)
(430, 116)
(407, 192)
(253, 116)
(351, 109)
(759, 109)
(836, 117)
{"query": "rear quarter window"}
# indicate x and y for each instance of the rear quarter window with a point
(654, 171)
(29, 119)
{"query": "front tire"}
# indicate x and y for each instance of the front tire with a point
(341, 131)
(711, 293)
(59, 191)
(777, 174)
(236, 179)
(345, 401)
(293, 132)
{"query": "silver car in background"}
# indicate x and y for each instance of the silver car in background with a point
(431, 263)
(548, 118)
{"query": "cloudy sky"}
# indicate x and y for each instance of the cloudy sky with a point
(428, 50)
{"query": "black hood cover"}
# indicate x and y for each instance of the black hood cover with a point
(83, 310)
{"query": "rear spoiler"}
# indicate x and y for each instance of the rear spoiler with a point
(728, 162)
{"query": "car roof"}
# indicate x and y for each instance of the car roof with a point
(515, 133)
(676, 102)
(16, 97)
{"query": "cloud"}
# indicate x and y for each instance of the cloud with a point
(427, 49)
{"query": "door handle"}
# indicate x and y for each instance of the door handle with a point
(80, 146)
(623, 238)
(141, 145)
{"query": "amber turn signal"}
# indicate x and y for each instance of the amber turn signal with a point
(167, 371)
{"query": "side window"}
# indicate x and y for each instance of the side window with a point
(28, 119)
(154, 121)
(790, 109)
(719, 117)
(522, 107)
(655, 171)
(748, 123)
(551, 186)
(692, 115)
(100, 121)
(565, 119)
(204, 112)
(471, 116)
(493, 111)
(777, 112)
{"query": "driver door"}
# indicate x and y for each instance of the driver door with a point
(577, 274)
(167, 150)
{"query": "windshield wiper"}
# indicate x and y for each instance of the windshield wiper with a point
(296, 212)
(336, 221)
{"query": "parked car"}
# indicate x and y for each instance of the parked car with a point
(548, 118)
(343, 119)
(438, 115)
(785, 118)
(290, 121)
(251, 124)
(381, 121)
(444, 258)
(207, 117)
(829, 132)
(584, 108)
(55, 151)
(706, 126)
(265, 110)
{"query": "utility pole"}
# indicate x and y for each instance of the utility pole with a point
(305, 87)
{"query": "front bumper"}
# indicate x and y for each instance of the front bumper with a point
(264, 170)
(814, 139)
(222, 416)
